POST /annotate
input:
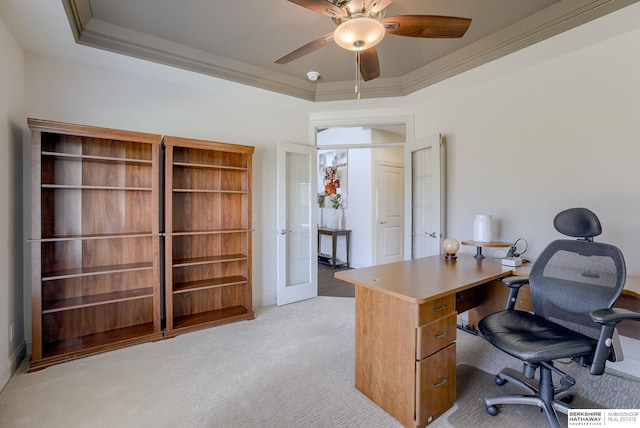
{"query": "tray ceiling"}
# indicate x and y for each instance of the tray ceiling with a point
(239, 40)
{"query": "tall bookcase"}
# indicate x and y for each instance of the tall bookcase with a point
(112, 211)
(94, 240)
(208, 234)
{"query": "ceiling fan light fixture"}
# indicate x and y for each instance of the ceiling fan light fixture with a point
(359, 33)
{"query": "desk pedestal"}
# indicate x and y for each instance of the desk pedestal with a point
(406, 355)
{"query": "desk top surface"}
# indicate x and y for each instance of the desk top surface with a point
(429, 278)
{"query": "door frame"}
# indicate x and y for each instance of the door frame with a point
(407, 120)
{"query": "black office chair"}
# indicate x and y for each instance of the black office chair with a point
(573, 284)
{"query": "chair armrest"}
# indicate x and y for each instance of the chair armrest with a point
(608, 318)
(613, 316)
(514, 282)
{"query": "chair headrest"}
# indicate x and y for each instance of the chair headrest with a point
(578, 222)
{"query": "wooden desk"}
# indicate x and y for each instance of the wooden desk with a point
(334, 233)
(406, 328)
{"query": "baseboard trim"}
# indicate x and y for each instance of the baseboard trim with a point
(268, 300)
(12, 364)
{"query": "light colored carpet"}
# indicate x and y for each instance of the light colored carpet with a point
(293, 366)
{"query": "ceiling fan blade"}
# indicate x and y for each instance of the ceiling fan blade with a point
(369, 64)
(323, 7)
(306, 49)
(376, 5)
(429, 26)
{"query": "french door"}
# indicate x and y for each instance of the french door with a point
(297, 231)
(425, 197)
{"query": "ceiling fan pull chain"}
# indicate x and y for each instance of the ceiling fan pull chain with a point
(358, 73)
(356, 88)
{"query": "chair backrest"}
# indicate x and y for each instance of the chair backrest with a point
(571, 278)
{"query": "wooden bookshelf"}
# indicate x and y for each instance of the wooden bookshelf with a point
(100, 223)
(208, 234)
(95, 240)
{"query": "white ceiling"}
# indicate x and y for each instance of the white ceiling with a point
(239, 40)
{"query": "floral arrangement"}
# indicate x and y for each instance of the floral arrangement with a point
(335, 198)
(336, 201)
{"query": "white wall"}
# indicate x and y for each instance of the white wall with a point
(558, 134)
(12, 123)
(358, 213)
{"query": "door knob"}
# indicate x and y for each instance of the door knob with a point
(433, 234)
(283, 232)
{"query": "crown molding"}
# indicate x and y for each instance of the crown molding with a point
(559, 17)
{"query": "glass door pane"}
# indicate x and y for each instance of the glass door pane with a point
(299, 219)
(297, 266)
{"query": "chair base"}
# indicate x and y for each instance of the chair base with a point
(547, 398)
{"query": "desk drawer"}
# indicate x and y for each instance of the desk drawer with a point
(435, 309)
(435, 385)
(435, 336)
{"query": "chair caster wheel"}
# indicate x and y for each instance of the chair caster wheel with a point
(500, 381)
(492, 410)
(567, 399)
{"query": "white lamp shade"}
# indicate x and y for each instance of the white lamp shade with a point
(482, 228)
(359, 33)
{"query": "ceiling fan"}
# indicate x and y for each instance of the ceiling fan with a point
(362, 25)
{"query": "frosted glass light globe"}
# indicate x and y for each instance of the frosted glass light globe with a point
(359, 33)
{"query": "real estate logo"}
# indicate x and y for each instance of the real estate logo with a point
(616, 418)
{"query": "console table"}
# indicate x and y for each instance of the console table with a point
(334, 233)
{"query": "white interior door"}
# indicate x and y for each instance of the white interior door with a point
(389, 213)
(297, 233)
(425, 204)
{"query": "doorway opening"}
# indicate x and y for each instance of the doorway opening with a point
(297, 206)
(355, 170)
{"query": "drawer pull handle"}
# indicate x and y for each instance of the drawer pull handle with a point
(442, 382)
(439, 308)
(441, 335)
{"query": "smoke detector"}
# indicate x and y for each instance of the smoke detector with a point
(313, 75)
